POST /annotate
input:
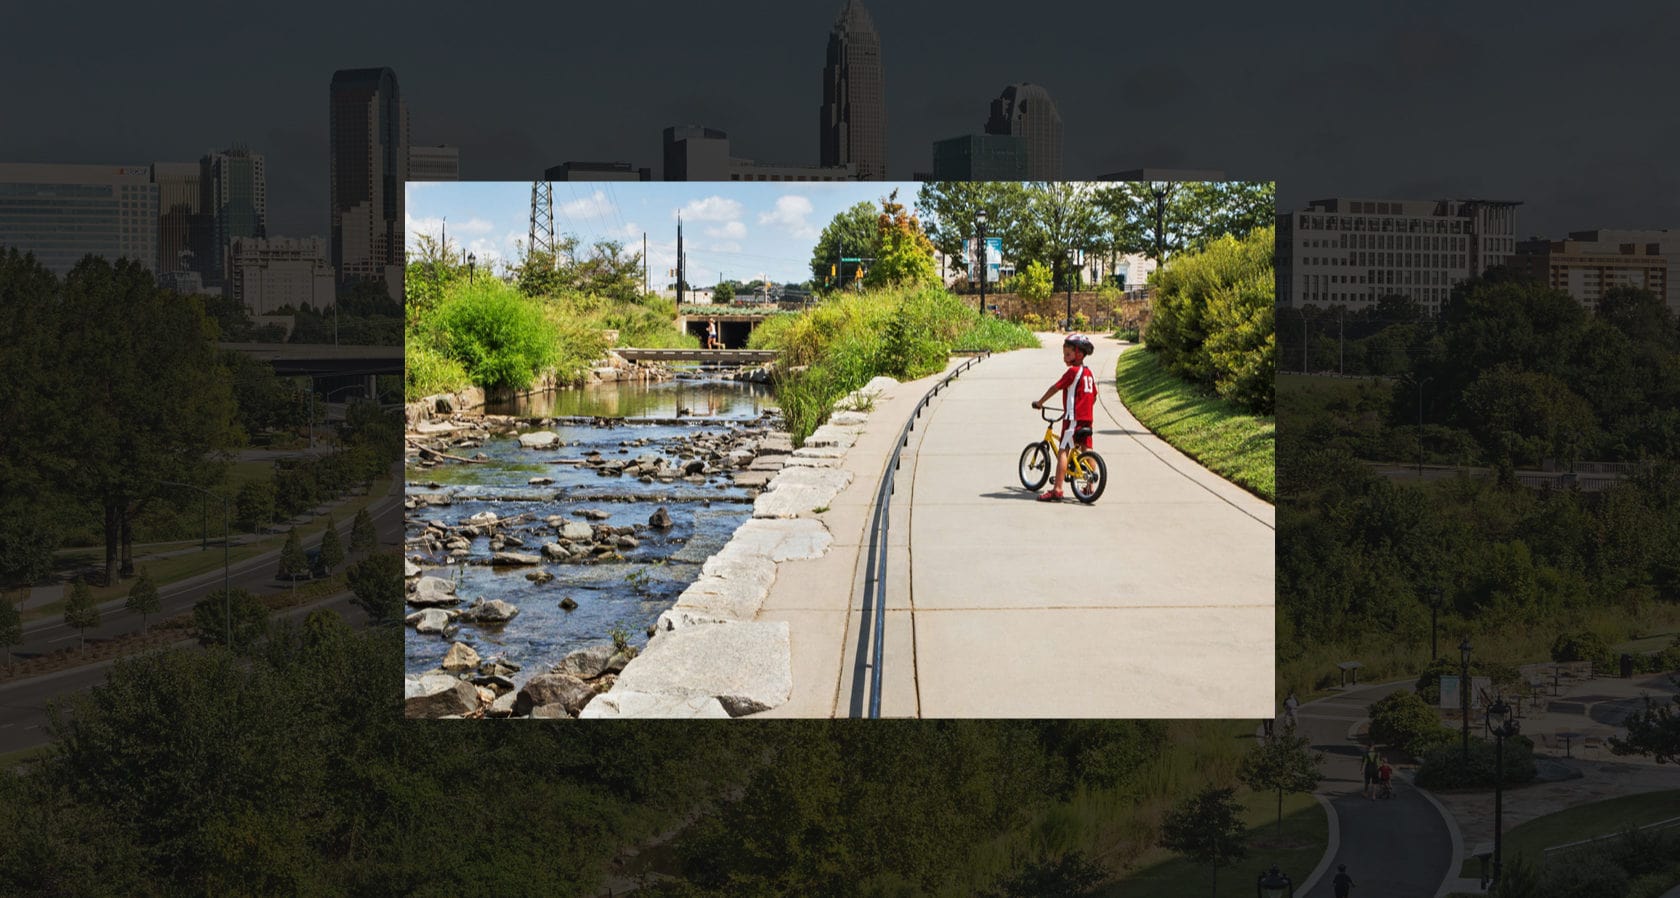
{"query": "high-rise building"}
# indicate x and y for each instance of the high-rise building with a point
(439, 163)
(1352, 252)
(368, 129)
(597, 171)
(854, 106)
(1592, 263)
(980, 157)
(184, 232)
(273, 273)
(695, 153)
(61, 213)
(1026, 110)
(235, 196)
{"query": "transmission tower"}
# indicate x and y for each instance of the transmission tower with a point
(542, 219)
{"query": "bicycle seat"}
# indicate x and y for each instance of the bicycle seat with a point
(1083, 433)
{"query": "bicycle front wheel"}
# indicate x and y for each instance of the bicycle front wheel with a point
(1089, 477)
(1036, 465)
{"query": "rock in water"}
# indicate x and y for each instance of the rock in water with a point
(564, 690)
(577, 530)
(586, 663)
(437, 695)
(661, 519)
(494, 611)
(568, 604)
(514, 558)
(430, 591)
(542, 439)
(461, 657)
(430, 620)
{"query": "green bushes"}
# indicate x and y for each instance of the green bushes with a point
(1584, 645)
(838, 346)
(500, 337)
(1213, 322)
(1444, 766)
(1404, 720)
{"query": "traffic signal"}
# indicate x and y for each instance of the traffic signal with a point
(832, 272)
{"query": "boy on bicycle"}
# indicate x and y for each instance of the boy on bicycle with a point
(1079, 400)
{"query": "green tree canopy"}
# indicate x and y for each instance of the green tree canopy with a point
(851, 234)
(903, 255)
(240, 615)
(1208, 829)
(11, 627)
(377, 582)
(143, 599)
(293, 562)
(1283, 763)
(331, 549)
(80, 610)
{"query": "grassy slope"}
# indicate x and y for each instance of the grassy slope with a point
(1221, 437)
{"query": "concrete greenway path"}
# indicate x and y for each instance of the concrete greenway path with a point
(1155, 602)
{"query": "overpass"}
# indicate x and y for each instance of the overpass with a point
(708, 356)
(323, 359)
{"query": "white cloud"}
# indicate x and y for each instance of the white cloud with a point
(474, 225)
(596, 205)
(790, 214)
(733, 230)
(727, 246)
(712, 208)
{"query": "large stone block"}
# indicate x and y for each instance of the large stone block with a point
(641, 704)
(746, 666)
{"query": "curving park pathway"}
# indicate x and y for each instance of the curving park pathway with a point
(1155, 602)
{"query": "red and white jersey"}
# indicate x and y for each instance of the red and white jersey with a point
(1079, 393)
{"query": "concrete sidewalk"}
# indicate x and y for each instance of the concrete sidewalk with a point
(1155, 602)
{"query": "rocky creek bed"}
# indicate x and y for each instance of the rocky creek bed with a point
(537, 546)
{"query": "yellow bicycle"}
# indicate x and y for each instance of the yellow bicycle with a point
(1087, 472)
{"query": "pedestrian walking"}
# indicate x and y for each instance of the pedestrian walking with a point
(1343, 882)
(1289, 706)
(1372, 763)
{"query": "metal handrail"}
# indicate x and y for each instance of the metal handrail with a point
(874, 586)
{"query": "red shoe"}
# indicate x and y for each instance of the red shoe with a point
(1050, 496)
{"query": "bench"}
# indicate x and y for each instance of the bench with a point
(1350, 667)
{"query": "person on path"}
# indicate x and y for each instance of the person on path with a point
(1385, 780)
(711, 334)
(1289, 706)
(1373, 769)
(1343, 882)
(1079, 401)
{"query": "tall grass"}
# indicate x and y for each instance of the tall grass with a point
(648, 322)
(1225, 438)
(838, 346)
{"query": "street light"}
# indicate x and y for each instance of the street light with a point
(980, 220)
(472, 264)
(1503, 727)
(227, 591)
(1273, 884)
(1464, 692)
(1420, 424)
(1074, 258)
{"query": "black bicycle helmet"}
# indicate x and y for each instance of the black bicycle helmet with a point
(1080, 342)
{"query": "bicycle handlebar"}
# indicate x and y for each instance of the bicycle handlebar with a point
(1045, 408)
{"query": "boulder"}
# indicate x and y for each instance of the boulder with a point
(563, 690)
(437, 695)
(540, 481)
(539, 577)
(429, 620)
(586, 664)
(628, 542)
(494, 611)
(433, 591)
(542, 439)
(745, 665)
(514, 558)
(460, 657)
(499, 684)
(502, 706)
(593, 514)
(642, 704)
(568, 604)
(660, 519)
(487, 518)
(556, 551)
(548, 712)
(410, 569)
(577, 530)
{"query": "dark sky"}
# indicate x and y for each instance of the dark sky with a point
(1569, 109)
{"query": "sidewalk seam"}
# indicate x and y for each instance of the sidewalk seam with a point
(1334, 844)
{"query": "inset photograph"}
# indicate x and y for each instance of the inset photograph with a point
(840, 449)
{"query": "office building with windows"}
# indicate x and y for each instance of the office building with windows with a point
(235, 190)
(597, 171)
(368, 165)
(1353, 252)
(61, 213)
(1026, 111)
(274, 273)
(1590, 264)
(439, 163)
(980, 157)
(696, 153)
(854, 106)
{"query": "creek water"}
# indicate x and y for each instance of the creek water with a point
(627, 595)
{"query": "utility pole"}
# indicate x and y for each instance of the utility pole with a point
(680, 273)
(1341, 346)
(1303, 341)
(644, 263)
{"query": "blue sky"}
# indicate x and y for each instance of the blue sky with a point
(740, 231)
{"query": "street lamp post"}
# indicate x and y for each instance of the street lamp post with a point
(1420, 424)
(1503, 727)
(1073, 256)
(227, 591)
(980, 220)
(1434, 614)
(1464, 691)
(1273, 884)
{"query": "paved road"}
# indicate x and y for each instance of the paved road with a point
(1399, 848)
(1155, 602)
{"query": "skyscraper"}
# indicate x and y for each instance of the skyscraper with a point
(1027, 111)
(235, 197)
(64, 212)
(368, 130)
(183, 228)
(854, 108)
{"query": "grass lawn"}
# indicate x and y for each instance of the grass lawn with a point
(1296, 851)
(1226, 440)
(1587, 821)
(12, 759)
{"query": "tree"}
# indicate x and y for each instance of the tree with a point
(80, 611)
(214, 615)
(1032, 283)
(254, 506)
(143, 599)
(1207, 828)
(293, 563)
(950, 212)
(1162, 218)
(377, 582)
(903, 255)
(331, 550)
(723, 292)
(363, 536)
(11, 628)
(850, 234)
(1654, 731)
(1282, 763)
(1069, 876)
(1059, 218)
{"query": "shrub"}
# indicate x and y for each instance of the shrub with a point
(1128, 334)
(501, 338)
(1407, 722)
(1032, 283)
(1584, 645)
(1586, 876)
(1444, 766)
(427, 372)
(1212, 321)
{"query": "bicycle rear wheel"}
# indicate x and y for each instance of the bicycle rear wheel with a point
(1037, 464)
(1089, 477)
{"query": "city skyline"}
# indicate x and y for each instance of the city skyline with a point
(1367, 104)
